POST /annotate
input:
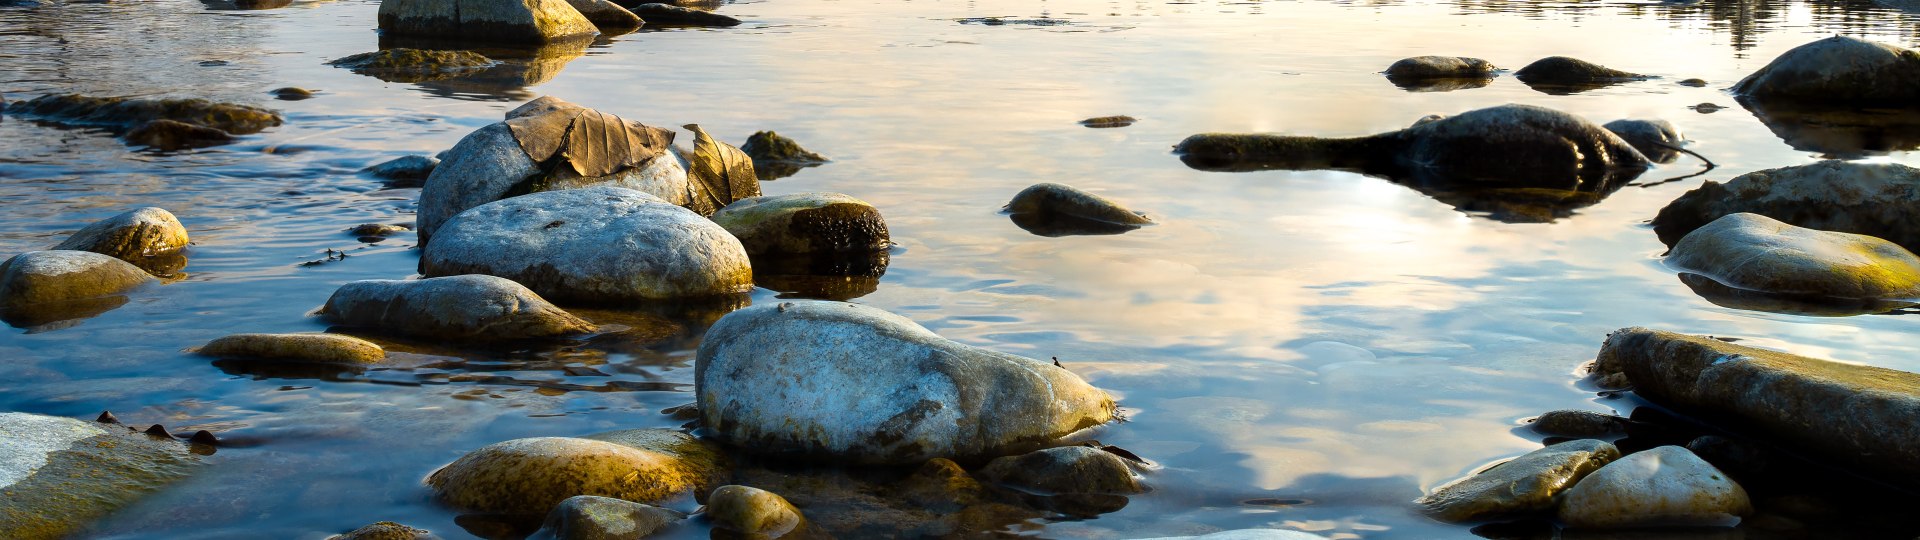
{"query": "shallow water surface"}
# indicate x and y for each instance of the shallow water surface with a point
(1307, 350)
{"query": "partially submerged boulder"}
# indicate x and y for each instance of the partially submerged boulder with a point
(1663, 487)
(1875, 199)
(530, 476)
(587, 517)
(319, 348)
(164, 134)
(1065, 470)
(671, 15)
(404, 65)
(607, 15)
(1577, 424)
(151, 238)
(1440, 73)
(455, 307)
(1853, 416)
(404, 171)
(798, 223)
(40, 287)
(1838, 69)
(858, 384)
(1658, 139)
(752, 512)
(1528, 483)
(1758, 253)
(502, 21)
(57, 475)
(161, 123)
(593, 245)
(1565, 75)
(1050, 209)
(775, 156)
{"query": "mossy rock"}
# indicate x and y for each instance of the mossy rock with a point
(530, 476)
(321, 348)
(1758, 253)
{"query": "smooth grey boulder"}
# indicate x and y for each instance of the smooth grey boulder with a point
(454, 307)
(1838, 69)
(531, 476)
(503, 21)
(1875, 199)
(1065, 470)
(1659, 140)
(1050, 209)
(40, 287)
(858, 384)
(59, 474)
(405, 171)
(816, 222)
(598, 244)
(587, 517)
(150, 238)
(1662, 487)
(491, 164)
(1757, 253)
(1525, 484)
(1853, 416)
(753, 512)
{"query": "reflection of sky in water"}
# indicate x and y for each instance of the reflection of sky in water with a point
(1315, 335)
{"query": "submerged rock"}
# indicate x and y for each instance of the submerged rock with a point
(598, 244)
(1758, 253)
(1854, 416)
(1065, 470)
(404, 65)
(1874, 199)
(456, 307)
(531, 476)
(753, 512)
(1665, 486)
(386, 530)
(1659, 140)
(664, 14)
(776, 157)
(815, 222)
(534, 152)
(57, 475)
(1564, 75)
(606, 15)
(587, 517)
(1525, 484)
(376, 230)
(404, 172)
(1060, 210)
(322, 348)
(858, 384)
(504, 21)
(1838, 69)
(131, 113)
(149, 237)
(40, 287)
(166, 134)
(294, 93)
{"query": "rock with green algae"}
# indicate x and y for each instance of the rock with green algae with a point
(749, 512)
(857, 384)
(151, 238)
(1875, 199)
(531, 476)
(404, 65)
(323, 348)
(587, 517)
(1853, 416)
(593, 245)
(1065, 470)
(454, 307)
(1757, 253)
(495, 21)
(41, 287)
(816, 222)
(130, 113)
(57, 475)
(386, 530)
(1526, 484)
(1662, 487)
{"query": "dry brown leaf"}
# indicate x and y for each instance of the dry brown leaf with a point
(720, 169)
(590, 143)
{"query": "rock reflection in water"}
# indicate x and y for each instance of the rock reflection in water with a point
(1816, 306)
(826, 276)
(519, 67)
(50, 316)
(1839, 131)
(1440, 85)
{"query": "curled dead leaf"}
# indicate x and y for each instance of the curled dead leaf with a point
(724, 172)
(587, 142)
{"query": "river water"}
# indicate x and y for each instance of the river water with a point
(1307, 350)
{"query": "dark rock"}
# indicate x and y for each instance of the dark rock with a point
(1874, 199)
(292, 93)
(1659, 140)
(1838, 69)
(414, 65)
(1578, 424)
(386, 530)
(1065, 470)
(166, 134)
(1109, 122)
(129, 113)
(1696, 83)
(1563, 75)
(1440, 73)
(1741, 459)
(587, 517)
(804, 223)
(1060, 210)
(776, 157)
(466, 308)
(404, 172)
(1706, 108)
(376, 229)
(107, 417)
(670, 15)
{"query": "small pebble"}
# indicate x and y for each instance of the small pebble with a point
(1109, 122)
(1696, 83)
(1706, 108)
(292, 93)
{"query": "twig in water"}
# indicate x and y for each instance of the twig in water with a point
(1703, 159)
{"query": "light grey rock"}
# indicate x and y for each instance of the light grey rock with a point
(1657, 139)
(59, 474)
(596, 244)
(859, 384)
(753, 512)
(1836, 70)
(1065, 470)
(505, 21)
(805, 223)
(146, 237)
(1524, 484)
(1853, 416)
(587, 517)
(405, 171)
(1875, 199)
(1757, 253)
(489, 165)
(1665, 486)
(470, 306)
(1439, 67)
(47, 285)
(531, 476)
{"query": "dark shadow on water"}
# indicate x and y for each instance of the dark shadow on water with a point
(838, 277)
(245, 5)
(1839, 131)
(50, 316)
(1535, 200)
(1053, 225)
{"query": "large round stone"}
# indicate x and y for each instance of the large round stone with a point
(59, 474)
(598, 244)
(1874, 199)
(1758, 253)
(471, 306)
(1665, 486)
(1838, 69)
(42, 287)
(150, 238)
(855, 383)
(530, 476)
